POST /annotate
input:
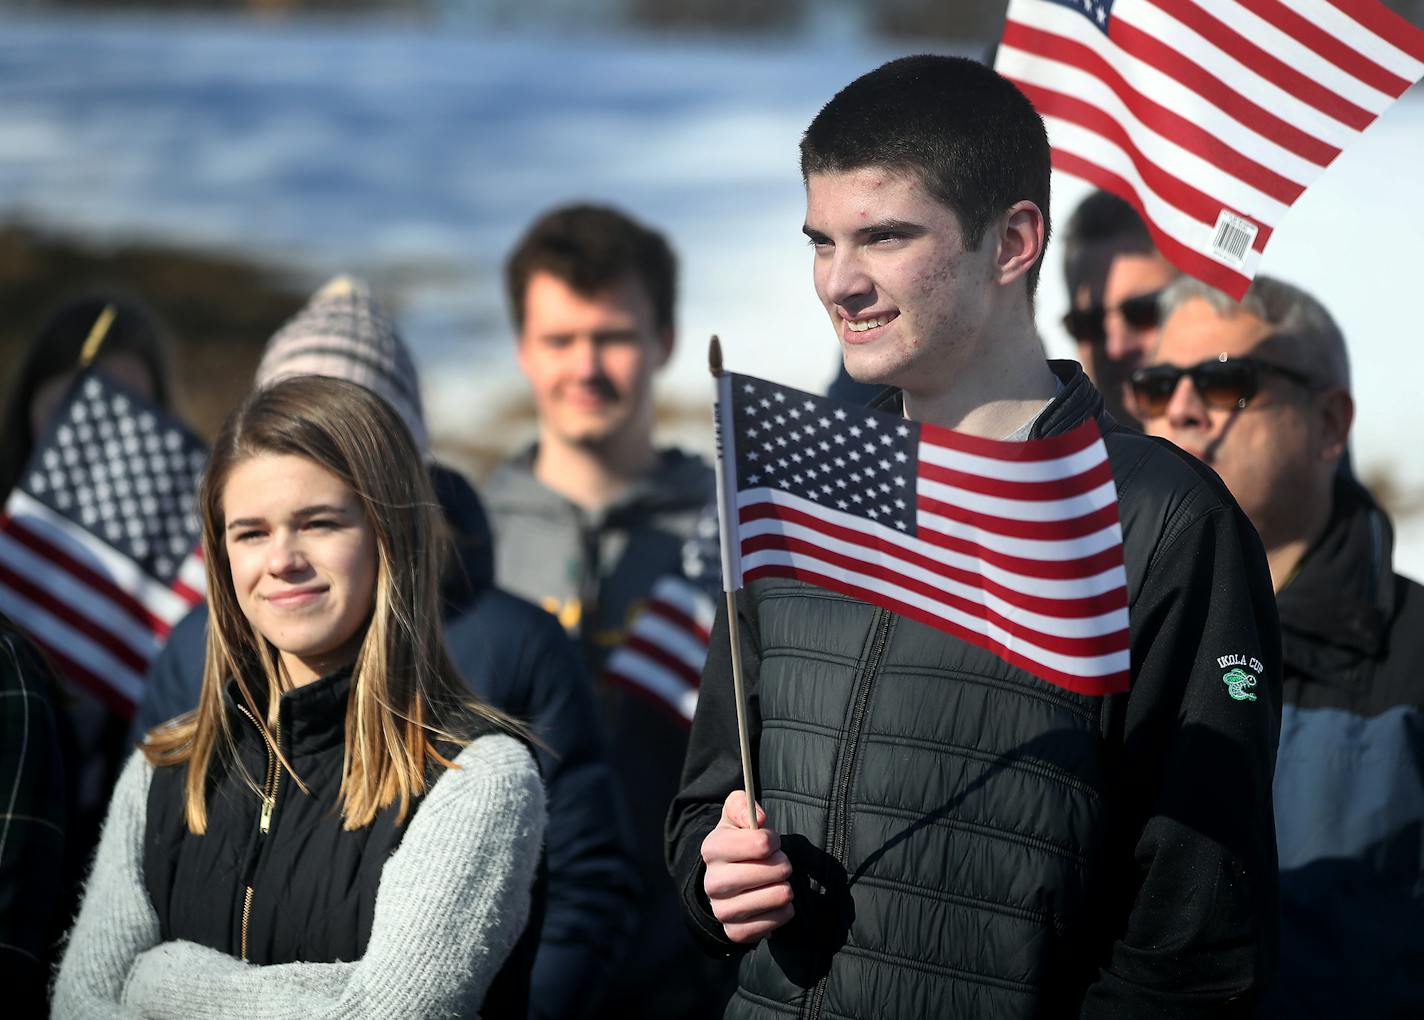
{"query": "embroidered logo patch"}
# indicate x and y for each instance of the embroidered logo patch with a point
(1236, 683)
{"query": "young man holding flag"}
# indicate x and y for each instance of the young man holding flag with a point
(1048, 791)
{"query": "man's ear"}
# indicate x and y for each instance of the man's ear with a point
(1337, 412)
(1021, 241)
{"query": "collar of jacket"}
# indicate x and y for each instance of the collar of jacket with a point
(1075, 403)
(312, 718)
(1343, 593)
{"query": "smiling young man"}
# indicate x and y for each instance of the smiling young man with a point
(1260, 390)
(944, 833)
(592, 515)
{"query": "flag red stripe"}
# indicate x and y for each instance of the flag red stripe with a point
(88, 679)
(1208, 270)
(1056, 489)
(103, 587)
(1045, 531)
(664, 658)
(1049, 448)
(187, 594)
(1385, 23)
(1313, 37)
(647, 695)
(1195, 203)
(1051, 570)
(676, 616)
(1090, 686)
(1272, 68)
(1260, 120)
(1064, 609)
(1161, 119)
(74, 617)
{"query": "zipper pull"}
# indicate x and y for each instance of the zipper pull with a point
(267, 804)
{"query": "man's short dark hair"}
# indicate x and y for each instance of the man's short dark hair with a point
(591, 248)
(972, 138)
(1101, 218)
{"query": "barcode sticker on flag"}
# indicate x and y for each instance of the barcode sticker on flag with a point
(1183, 108)
(98, 542)
(1013, 547)
(1233, 238)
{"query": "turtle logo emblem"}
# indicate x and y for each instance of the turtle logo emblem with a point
(1236, 683)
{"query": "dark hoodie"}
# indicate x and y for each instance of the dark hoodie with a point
(515, 657)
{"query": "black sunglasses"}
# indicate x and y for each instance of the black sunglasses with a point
(1221, 382)
(1088, 325)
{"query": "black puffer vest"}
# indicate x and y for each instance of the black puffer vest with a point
(968, 840)
(276, 879)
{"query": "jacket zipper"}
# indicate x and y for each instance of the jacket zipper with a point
(840, 795)
(270, 783)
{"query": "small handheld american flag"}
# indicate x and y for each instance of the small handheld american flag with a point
(98, 542)
(1210, 118)
(1013, 547)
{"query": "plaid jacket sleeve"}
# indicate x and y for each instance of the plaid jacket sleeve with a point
(31, 821)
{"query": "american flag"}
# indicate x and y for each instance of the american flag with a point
(1210, 118)
(1013, 547)
(98, 542)
(666, 647)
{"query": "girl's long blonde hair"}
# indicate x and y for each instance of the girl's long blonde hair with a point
(405, 693)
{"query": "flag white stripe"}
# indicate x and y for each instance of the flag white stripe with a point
(162, 601)
(686, 646)
(1054, 550)
(1360, 38)
(1087, 666)
(1022, 509)
(1180, 162)
(1016, 63)
(193, 575)
(1013, 470)
(656, 678)
(1301, 57)
(86, 602)
(1047, 588)
(1239, 77)
(1096, 149)
(50, 630)
(687, 599)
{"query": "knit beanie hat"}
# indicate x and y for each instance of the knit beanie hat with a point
(342, 333)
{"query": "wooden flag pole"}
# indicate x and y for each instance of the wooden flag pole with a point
(96, 336)
(730, 584)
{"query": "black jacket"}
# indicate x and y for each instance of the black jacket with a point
(516, 657)
(968, 840)
(1349, 786)
(286, 883)
(33, 896)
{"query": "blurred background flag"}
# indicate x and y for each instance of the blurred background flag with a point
(666, 647)
(1013, 547)
(98, 542)
(1210, 118)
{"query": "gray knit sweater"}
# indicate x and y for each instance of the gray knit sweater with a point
(452, 902)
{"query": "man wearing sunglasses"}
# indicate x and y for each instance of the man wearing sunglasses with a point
(1260, 390)
(1114, 275)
